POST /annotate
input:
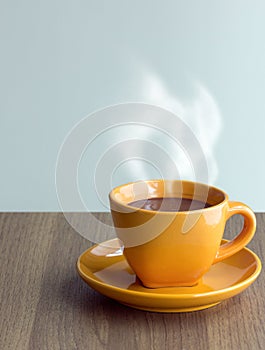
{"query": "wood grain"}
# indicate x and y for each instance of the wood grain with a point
(45, 305)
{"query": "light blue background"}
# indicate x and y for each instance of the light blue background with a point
(61, 60)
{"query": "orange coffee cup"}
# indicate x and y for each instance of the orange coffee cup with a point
(176, 248)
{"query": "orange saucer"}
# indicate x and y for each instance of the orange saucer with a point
(105, 269)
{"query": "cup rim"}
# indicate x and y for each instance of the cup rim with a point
(164, 212)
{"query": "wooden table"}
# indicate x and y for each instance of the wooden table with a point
(45, 305)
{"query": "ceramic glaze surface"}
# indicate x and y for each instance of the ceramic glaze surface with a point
(106, 270)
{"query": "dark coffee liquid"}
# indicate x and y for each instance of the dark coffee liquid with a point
(169, 204)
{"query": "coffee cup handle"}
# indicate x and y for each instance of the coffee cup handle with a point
(244, 237)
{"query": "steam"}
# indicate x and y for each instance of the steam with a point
(200, 113)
